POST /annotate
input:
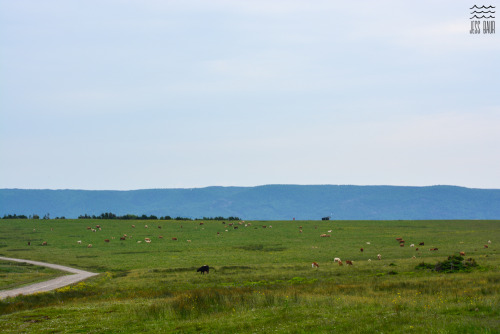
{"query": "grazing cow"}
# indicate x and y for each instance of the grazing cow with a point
(133, 226)
(29, 243)
(399, 239)
(433, 249)
(159, 226)
(361, 249)
(401, 245)
(340, 263)
(325, 235)
(189, 241)
(300, 227)
(235, 227)
(98, 226)
(174, 238)
(264, 226)
(325, 218)
(379, 257)
(160, 237)
(88, 228)
(89, 246)
(203, 269)
(462, 253)
(421, 244)
(315, 265)
(412, 245)
(122, 238)
(485, 246)
(44, 243)
(489, 241)
(416, 249)
(202, 223)
(79, 241)
(106, 240)
(348, 262)
(300, 231)
(147, 239)
(146, 226)
(368, 243)
(336, 259)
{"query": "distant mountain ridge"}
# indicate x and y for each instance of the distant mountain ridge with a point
(267, 202)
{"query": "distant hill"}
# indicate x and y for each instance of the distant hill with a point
(269, 202)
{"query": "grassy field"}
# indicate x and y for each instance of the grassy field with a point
(262, 279)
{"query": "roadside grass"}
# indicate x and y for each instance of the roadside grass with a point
(262, 279)
(16, 274)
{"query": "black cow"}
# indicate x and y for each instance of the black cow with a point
(203, 269)
(325, 218)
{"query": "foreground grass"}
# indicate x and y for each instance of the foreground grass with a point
(263, 280)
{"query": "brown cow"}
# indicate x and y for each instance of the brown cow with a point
(44, 243)
(348, 262)
(174, 238)
(462, 253)
(361, 249)
(315, 265)
(401, 245)
(485, 246)
(106, 240)
(122, 238)
(340, 263)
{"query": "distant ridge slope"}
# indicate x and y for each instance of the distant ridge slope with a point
(268, 202)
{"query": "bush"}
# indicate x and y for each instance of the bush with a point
(455, 263)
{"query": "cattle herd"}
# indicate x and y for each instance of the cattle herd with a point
(205, 268)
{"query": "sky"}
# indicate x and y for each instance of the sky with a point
(139, 94)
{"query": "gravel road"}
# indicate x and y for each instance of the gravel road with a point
(59, 282)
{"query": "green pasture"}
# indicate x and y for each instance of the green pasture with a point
(262, 280)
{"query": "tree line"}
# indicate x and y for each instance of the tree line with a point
(112, 216)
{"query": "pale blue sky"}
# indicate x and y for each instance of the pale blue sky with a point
(138, 94)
